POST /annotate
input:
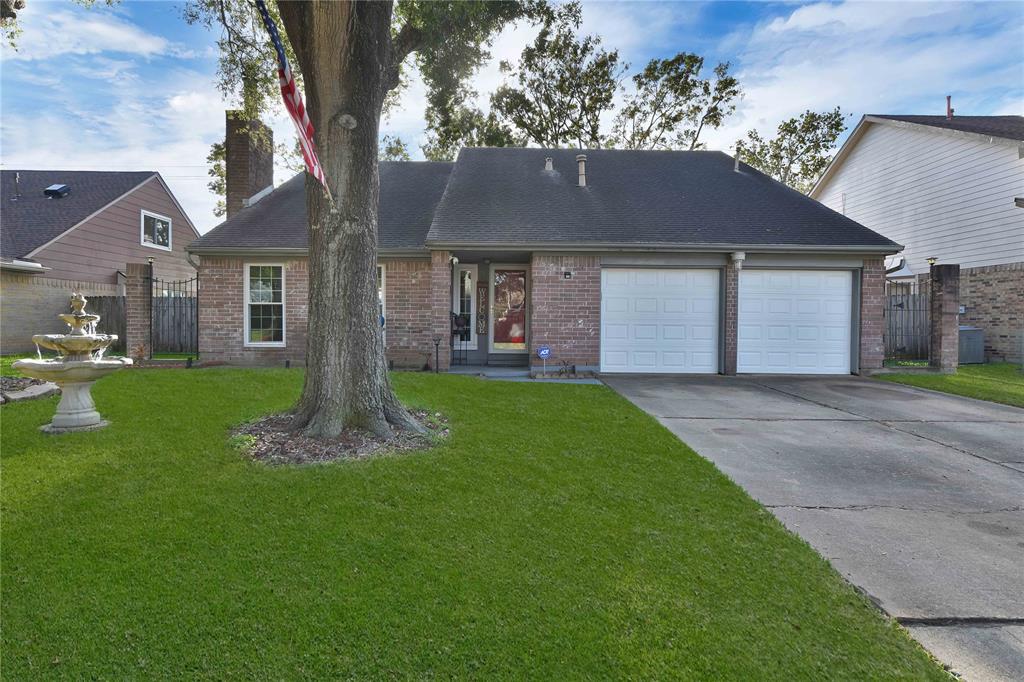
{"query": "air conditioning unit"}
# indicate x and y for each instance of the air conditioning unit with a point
(972, 346)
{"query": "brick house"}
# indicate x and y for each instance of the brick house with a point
(618, 261)
(67, 231)
(949, 188)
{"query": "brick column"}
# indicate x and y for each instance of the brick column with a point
(872, 314)
(945, 322)
(138, 308)
(731, 317)
(441, 307)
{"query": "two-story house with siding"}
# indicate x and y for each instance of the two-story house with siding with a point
(949, 188)
(67, 231)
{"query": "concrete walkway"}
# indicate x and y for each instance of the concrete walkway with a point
(916, 497)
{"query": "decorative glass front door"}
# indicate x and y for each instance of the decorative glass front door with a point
(509, 332)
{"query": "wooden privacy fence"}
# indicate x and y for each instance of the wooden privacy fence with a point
(112, 318)
(175, 316)
(907, 332)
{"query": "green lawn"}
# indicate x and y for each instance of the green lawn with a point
(7, 360)
(559, 533)
(1000, 382)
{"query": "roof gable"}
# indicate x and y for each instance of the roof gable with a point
(1006, 130)
(1006, 127)
(409, 192)
(32, 220)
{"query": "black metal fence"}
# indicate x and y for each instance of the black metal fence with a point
(175, 319)
(907, 321)
(112, 318)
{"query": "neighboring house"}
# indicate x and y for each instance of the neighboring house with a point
(78, 236)
(949, 188)
(622, 261)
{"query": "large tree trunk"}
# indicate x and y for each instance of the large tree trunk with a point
(344, 50)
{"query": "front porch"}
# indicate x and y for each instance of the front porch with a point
(504, 305)
(490, 311)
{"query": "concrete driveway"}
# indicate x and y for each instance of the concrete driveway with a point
(916, 497)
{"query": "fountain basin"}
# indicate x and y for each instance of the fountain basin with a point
(76, 411)
(68, 344)
(70, 371)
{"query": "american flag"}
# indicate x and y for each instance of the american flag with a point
(293, 101)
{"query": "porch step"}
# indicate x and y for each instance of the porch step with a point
(507, 360)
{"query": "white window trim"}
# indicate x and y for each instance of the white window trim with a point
(284, 312)
(383, 303)
(142, 230)
(472, 268)
(491, 307)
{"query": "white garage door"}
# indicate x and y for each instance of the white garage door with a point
(659, 321)
(794, 321)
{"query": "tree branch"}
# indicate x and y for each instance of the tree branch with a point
(408, 40)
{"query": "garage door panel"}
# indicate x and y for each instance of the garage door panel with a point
(795, 322)
(670, 318)
(645, 305)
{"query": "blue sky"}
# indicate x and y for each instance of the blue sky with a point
(132, 86)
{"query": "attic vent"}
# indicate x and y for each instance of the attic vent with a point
(57, 191)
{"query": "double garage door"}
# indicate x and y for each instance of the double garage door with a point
(668, 321)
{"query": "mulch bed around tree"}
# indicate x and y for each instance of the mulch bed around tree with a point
(271, 440)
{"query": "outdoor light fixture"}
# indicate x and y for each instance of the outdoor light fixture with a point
(150, 260)
(931, 260)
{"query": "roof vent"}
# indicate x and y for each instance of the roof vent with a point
(57, 191)
(949, 107)
(581, 161)
(549, 164)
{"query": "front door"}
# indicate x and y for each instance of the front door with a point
(509, 318)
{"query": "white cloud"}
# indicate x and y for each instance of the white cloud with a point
(49, 34)
(875, 58)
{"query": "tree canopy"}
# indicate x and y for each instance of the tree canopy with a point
(799, 152)
(564, 84)
(672, 104)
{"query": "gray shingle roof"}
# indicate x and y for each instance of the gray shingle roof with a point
(1009, 127)
(28, 222)
(504, 196)
(409, 191)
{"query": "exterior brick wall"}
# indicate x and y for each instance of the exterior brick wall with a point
(993, 298)
(441, 307)
(730, 324)
(222, 311)
(409, 315)
(29, 304)
(872, 314)
(566, 313)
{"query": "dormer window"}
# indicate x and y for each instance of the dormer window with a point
(156, 231)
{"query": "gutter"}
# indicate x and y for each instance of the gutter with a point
(17, 265)
(294, 252)
(665, 247)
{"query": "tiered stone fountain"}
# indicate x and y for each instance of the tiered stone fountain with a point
(79, 364)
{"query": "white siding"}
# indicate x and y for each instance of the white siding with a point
(940, 195)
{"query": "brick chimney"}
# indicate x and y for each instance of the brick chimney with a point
(248, 159)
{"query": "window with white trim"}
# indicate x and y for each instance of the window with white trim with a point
(464, 303)
(264, 305)
(156, 231)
